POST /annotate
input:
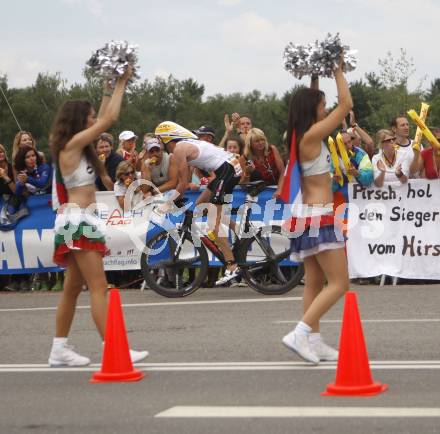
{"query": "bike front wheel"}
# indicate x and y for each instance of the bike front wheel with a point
(172, 265)
(264, 258)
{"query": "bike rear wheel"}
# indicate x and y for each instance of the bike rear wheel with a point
(264, 258)
(171, 273)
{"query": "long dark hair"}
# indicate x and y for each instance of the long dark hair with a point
(302, 114)
(20, 157)
(70, 120)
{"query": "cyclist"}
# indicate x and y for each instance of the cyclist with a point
(188, 150)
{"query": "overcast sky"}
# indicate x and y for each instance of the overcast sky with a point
(227, 45)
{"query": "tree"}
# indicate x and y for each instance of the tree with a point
(378, 97)
(386, 93)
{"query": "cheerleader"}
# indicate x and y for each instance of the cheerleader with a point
(79, 233)
(321, 245)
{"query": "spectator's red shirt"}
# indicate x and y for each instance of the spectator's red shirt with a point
(431, 171)
(267, 169)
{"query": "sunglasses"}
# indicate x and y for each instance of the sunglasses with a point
(390, 140)
(128, 173)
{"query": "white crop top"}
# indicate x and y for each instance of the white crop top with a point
(210, 157)
(84, 174)
(319, 165)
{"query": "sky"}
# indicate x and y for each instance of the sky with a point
(226, 45)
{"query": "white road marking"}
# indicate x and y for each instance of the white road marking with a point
(169, 303)
(231, 366)
(396, 320)
(298, 412)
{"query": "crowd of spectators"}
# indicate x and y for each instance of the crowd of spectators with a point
(25, 171)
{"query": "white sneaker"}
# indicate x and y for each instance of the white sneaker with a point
(65, 356)
(299, 344)
(228, 276)
(324, 352)
(137, 356)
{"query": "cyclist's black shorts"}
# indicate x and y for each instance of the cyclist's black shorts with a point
(223, 184)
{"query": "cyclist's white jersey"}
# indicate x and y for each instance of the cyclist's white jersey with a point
(210, 157)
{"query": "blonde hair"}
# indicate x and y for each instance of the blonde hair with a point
(123, 167)
(5, 165)
(253, 135)
(17, 140)
(381, 134)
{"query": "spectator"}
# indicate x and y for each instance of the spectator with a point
(361, 138)
(428, 160)
(127, 147)
(33, 175)
(400, 128)
(141, 156)
(159, 167)
(104, 149)
(125, 175)
(205, 133)
(243, 124)
(263, 161)
(391, 164)
(24, 138)
(7, 187)
(234, 145)
(7, 184)
(147, 136)
(360, 165)
(229, 127)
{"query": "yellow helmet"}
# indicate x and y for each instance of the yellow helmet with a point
(168, 131)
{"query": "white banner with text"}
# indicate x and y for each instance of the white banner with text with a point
(395, 230)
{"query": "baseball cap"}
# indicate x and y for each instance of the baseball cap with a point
(204, 129)
(152, 143)
(127, 135)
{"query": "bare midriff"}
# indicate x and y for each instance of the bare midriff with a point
(317, 190)
(82, 196)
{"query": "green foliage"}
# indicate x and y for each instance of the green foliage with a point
(385, 94)
(377, 98)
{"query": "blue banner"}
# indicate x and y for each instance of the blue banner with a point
(29, 247)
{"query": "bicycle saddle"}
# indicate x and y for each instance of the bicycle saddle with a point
(253, 188)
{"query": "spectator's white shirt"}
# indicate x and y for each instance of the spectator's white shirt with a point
(120, 190)
(402, 157)
(407, 150)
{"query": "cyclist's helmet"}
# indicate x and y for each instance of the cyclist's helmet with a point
(168, 131)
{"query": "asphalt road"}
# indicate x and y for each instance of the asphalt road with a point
(217, 365)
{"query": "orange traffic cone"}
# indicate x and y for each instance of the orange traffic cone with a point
(116, 361)
(353, 375)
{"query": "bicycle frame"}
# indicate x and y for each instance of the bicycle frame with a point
(244, 227)
(256, 249)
